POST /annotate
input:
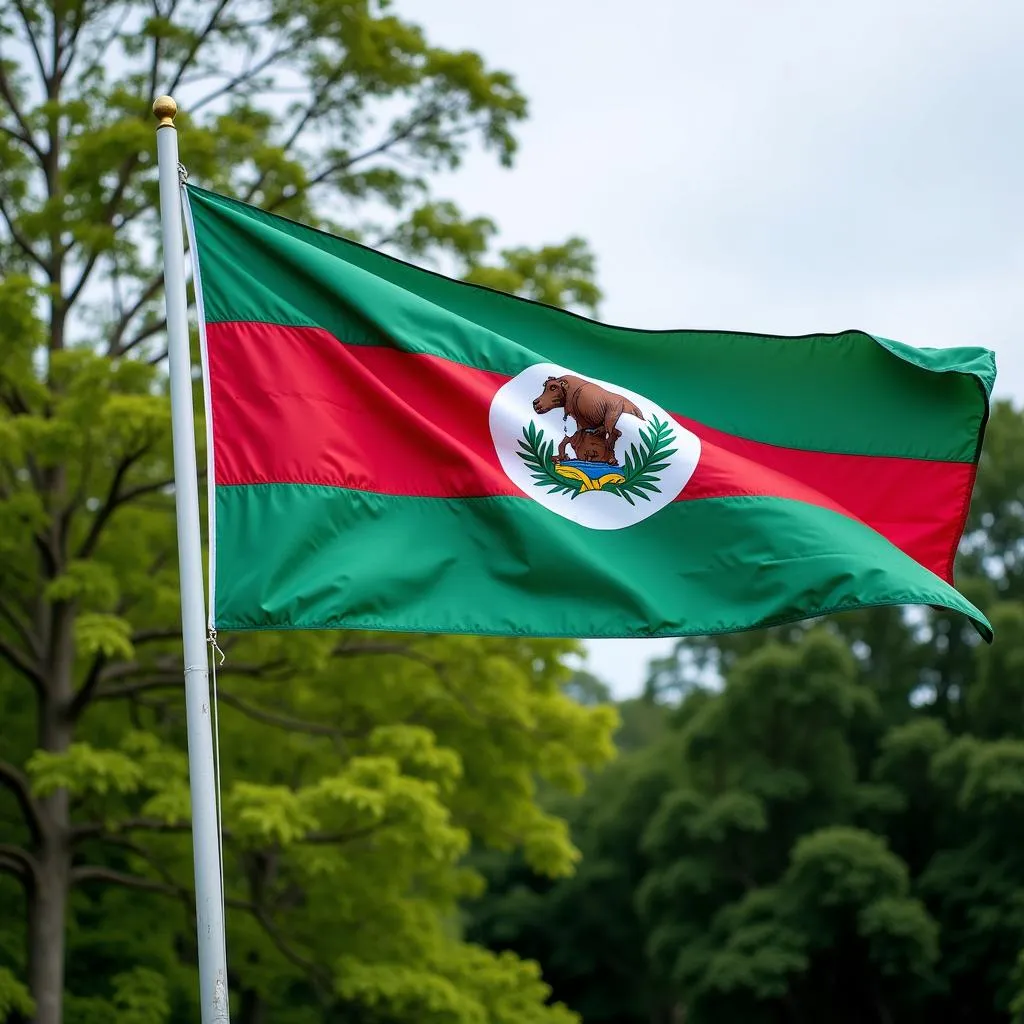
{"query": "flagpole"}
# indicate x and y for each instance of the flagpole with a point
(213, 972)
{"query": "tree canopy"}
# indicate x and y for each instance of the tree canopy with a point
(357, 770)
(826, 832)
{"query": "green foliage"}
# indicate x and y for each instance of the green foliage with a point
(82, 769)
(106, 635)
(482, 988)
(14, 997)
(823, 828)
(558, 275)
(138, 996)
(358, 771)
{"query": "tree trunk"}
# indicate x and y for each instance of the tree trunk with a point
(253, 1009)
(48, 903)
(47, 916)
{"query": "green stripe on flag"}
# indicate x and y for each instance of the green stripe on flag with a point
(301, 556)
(845, 393)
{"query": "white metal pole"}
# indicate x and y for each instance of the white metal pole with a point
(213, 971)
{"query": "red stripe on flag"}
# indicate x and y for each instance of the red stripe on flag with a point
(295, 405)
(918, 504)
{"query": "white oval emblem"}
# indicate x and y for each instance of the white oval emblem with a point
(600, 455)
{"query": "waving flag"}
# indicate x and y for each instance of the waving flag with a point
(396, 450)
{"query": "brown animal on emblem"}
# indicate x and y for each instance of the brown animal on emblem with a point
(595, 410)
(590, 447)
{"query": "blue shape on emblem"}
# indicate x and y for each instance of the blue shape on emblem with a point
(592, 469)
(592, 476)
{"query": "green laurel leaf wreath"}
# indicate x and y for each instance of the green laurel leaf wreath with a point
(642, 465)
(539, 455)
(640, 469)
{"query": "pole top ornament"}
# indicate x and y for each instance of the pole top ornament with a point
(165, 109)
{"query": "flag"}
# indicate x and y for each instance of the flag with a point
(396, 450)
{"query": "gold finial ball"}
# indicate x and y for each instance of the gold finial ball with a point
(164, 109)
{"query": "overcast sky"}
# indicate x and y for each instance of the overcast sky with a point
(783, 166)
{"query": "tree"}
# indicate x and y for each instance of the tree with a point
(436, 740)
(828, 829)
(585, 928)
(765, 897)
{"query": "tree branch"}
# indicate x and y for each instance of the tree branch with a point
(106, 217)
(357, 650)
(113, 500)
(111, 877)
(157, 681)
(19, 863)
(337, 838)
(167, 887)
(319, 976)
(279, 721)
(145, 636)
(19, 239)
(88, 687)
(20, 626)
(162, 675)
(203, 35)
(7, 93)
(398, 650)
(17, 136)
(152, 487)
(18, 661)
(27, 22)
(18, 784)
(71, 50)
(385, 144)
(144, 335)
(300, 126)
(96, 829)
(240, 79)
(154, 64)
(59, 12)
(13, 400)
(101, 51)
(122, 325)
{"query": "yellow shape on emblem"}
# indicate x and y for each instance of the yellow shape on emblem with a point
(589, 483)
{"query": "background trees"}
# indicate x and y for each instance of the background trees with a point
(356, 771)
(829, 834)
